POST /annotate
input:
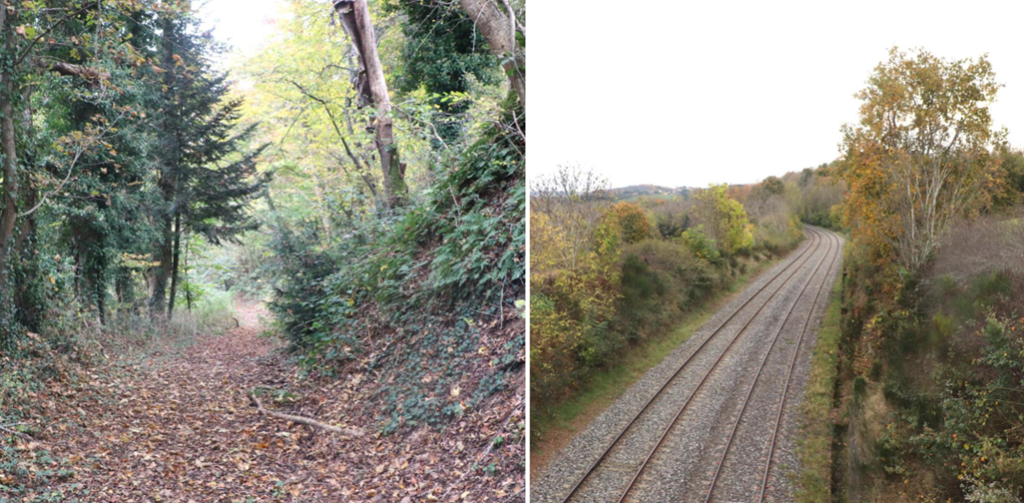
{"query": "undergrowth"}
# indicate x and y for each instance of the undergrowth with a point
(411, 294)
(946, 373)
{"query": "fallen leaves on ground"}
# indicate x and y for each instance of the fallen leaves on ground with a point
(180, 428)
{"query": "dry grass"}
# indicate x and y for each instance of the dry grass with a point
(988, 244)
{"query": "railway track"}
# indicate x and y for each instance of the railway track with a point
(603, 465)
(823, 286)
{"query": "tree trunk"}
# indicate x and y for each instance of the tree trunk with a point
(8, 151)
(188, 291)
(99, 291)
(162, 272)
(168, 184)
(174, 265)
(125, 288)
(28, 193)
(372, 88)
(499, 28)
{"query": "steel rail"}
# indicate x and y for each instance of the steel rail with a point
(593, 467)
(764, 362)
(686, 403)
(789, 375)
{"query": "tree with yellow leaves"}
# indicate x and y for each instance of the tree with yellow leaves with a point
(632, 220)
(724, 219)
(920, 156)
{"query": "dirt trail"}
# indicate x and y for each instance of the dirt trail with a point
(180, 428)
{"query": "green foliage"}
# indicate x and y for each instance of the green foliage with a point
(819, 196)
(661, 281)
(982, 292)
(632, 220)
(960, 419)
(93, 202)
(702, 245)
(724, 219)
(1013, 166)
(213, 310)
(441, 52)
(773, 186)
(424, 273)
(481, 224)
(982, 414)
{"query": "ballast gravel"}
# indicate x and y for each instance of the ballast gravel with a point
(684, 465)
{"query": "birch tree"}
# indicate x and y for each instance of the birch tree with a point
(924, 140)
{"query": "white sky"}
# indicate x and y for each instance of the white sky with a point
(689, 93)
(244, 24)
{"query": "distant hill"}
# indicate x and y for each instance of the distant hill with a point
(634, 191)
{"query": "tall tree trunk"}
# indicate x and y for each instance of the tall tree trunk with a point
(162, 272)
(168, 184)
(174, 265)
(370, 83)
(498, 26)
(365, 174)
(30, 303)
(188, 291)
(8, 151)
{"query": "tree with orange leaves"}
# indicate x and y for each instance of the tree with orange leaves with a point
(921, 154)
(632, 220)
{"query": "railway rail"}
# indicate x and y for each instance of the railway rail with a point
(794, 268)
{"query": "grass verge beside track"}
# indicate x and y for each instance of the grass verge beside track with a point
(574, 414)
(815, 443)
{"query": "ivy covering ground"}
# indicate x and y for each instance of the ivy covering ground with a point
(421, 293)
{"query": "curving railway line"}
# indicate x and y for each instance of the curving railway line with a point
(715, 421)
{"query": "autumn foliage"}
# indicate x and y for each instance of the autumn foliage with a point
(931, 324)
(632, 221)
(610, 275)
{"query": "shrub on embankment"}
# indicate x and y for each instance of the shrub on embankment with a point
(938, 409)
(604, 281)
(928, 403)
(424, 296)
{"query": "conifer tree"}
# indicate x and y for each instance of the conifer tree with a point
(207, 176)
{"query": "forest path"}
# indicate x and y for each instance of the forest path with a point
(179, 428)
(176, 426)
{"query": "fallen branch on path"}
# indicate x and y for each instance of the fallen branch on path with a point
(17, 433)
(352, 432)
